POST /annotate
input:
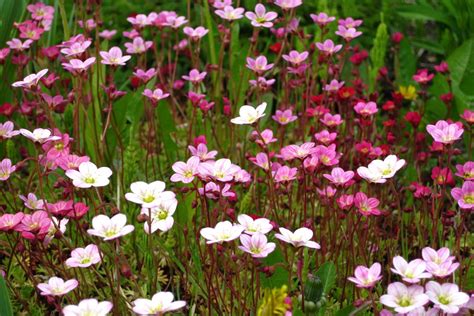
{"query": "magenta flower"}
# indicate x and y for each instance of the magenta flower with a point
(6, 169)
(265, 137)
(4, 52)
(10, 221)
(195, 76)
(30, 81)
(185, 171)
(156, 95)
(259, 65)
(284, 117)
(322, 19)
(327, 192)
(328, 47)
(349, 22)
(145, 76)
(345, 201)
(30, 30)
(285, 174)
(464, 195)
(257, 245)
(77, 66)
(422, 76)
(291, 152)
(34, 225)
(347, 33)
(221, 4)
(57, 287)
(261, 18)
(327, 155)
(444, 132)
(6, 130)
(114, 57)
(138, 46)
(67, 162)
(366, 206)
(262, 83)
(325, 137)
(18, 45)
(334, 86)
(76, 48)
(366, 277)
(331, 120)
(214, 191)
(39, 11)
(175, 21)
(310, 163)
(295, 57)
(411, 272)
(201, 152)
(465, 171)
(84, 257)
(108, 34)
(195, 34)
(288, 4)
(230, 14)
(131, 34)
(366, 109)
(468, 116)
(339, 177)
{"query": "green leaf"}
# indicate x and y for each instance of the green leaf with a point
(346, 311)
(327, 275)
(5, 304)
(280, 276)
(377, 53)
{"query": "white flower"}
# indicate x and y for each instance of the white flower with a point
(148, 194)
(404, 299)
(223, 231)
(301, 237)
(378, 171)
(252, 226)
(249, 115)
(57, 287)
(88, 307)
(30, 80)
(161, 216)
(446, 296)
(39, 135)
(53, 228)
(89, 175)
(110, 228)
(159, 304)
(411, 272)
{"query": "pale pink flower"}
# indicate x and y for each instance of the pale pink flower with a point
(265, 137)
(464, 195)
(185, 171)
(339, 177)
(253, 226)
(140, 20)
(156, 95)
(67, 162)
(18, 45)
(108, 34)
(223, 231)
(114, 57)
(257, 245)
(195, 76)
(300, 238)
(110, 228)
(34, 225)
(221, 4)
(261, 160)
(443, 269)
(77, 66)
(84, 257)
(6, 169)
(242, 176)
(145, 76)
(57, 287)
(331, 120)
(288, 4)
(221, 170)
(439, 256)
(89, 175)
(261, 18)
(327, 192)
(345, 201)
(131, 34)
(230, 14)
(285, 173)
(6, 130)
(411, 272)
(259, 64)
(160, 216)
(404, 299)
(88, 24)
(468, 116)
(334, 86)
(88, 307)
(160, 304)
(30, 81)
(284, 117)
(175, 21)
(296, 58)
(138, 46)
(366, 277)
(465, 171)
(291, 152)
(214, 191)
(378, 171)
(76, 48)
(365, 205)
(325, 137)
(446, 296)
(322, 19)
(350, 22)
(201, 152)
(32, 202)
(347, 33)
(444, 132)
(148, 194)
(195, 33)
(366, 109)
(328, 47)
(262, 83)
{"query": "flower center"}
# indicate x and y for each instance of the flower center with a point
(148, 198)
(85, 260)
(188, 174)
(110, 232)
(89, 180)
(162, 214)
(469, 198)
(444, 300)
(404, 301)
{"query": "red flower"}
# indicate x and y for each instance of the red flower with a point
(414, 118)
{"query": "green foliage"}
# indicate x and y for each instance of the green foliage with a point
(378, 52)
(5, 304)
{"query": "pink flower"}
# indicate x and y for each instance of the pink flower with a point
(347, 33)
(465, 171)
(60, 208)
(108, 34)
(254, 226)
(145, 76)
(468, 116)
(223, 231)
(32, 202)
(443, 269)
(331, 120)
(84, 257)
(10, 221)
(291, 152)
(444, 132)
(349, 22)
(88, 25)
(300, 238)
(201, 152)
(339, 177)
(67, 162)
(39, 11)
(328, 47)
(257, 245)
(214, 191)
(259, 65)
(464, 195)
(195, 34)
(221, 170)
(422, 76)
(30, 30)
(446, 296)
(284, 117)
(57, 287)
(285, 173)
(131, 34)
(90, 307)
(4, 52)
(325, 137)
(322, 19)
(34, 225)
(327, 192)
(261, 18)
(175, 21)
(366, 109)
(195, 76)
(30, 81)
(295, 58)
(265, 137)
(345, 201)
(6, 130)
(411, 272)
(221, 4)
(6, 169)
(327, 155)
(334, 86)
(230, 14)
(140, 20)
(404, 299)
(366, 277)
(76, 48)
(185, 171)
(77, 66)
(366, 206)
(114, 57)
(18, 45)
(138, 46)
(262, 83)
(288, 4)
(261, 160)
(156, 95)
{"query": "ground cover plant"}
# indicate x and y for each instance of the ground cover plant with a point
(236, 157)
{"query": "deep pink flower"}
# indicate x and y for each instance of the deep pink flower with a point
(195, 76)
(77, 66)
(422, 76)
(262, 83)
(295, 57)
(291, 152)
(468, 116)
(30, 30)
(443, 67)
(156, 95)
(327, 155)
(325, 137)
(284, 117)
(265, 137)
(442, 176)
(78, 211)
(201, 152)
(339, 177)
(285, 173)
(464, 195)
(57, 147)
(347, 33)
(138, 46)
(185, 171)
(366, 109)
(60, 208)
(331, 120)
(350, 22)
(465, 171)
(334, 86)
(34, 226)
(18, 45)
(9, 222)
(145, 76)
(366, 206)
(345, 201)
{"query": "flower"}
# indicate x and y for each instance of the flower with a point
(201, 152)
(265, 137)
(108, 34)
(88, 307)
(30, 81)
(76, 48)
(145, 76)
(378, 171)
(39, 135)
(221, 170)
(366, 109)
(77, 66)
(140, 20)
(84, 257)
(465, 171)
(284, 117)
(185, 171)
(39, 11)
(468, 116)
(444, 132)
(328, 47)
(138, 46)
(333, 86)
(322, 19)
(256, 245)
(262, 83)
(253, 226)
(464, 195)
(446, 296)
(223, 231)
(18, 45)
(259, 65)
(249, 115)
(34, 226)
(10, 221)
(89, 175)
(155, 95)
(230, 14)
(110, 228)
(148, 194)
(300, 238)
(404, 299)
(114, 57)
(160, 303)
(195, 76)
(195, 34)
(57, 287)
(408, 93)
(160, 216)
(436, 256)
(291, 152)
(411, 272)
(349, 22)
(339, 177)
(6, 169)
(347, 33)
(288, 4)
(295, 57)
(261, 18)
(366, 206)
(422, 76)
(366, 277)
(331, 120)
(6, 130)
(325, 137)
(285, 173)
